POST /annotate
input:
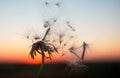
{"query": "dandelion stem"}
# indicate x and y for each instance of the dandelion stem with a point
(42, 66)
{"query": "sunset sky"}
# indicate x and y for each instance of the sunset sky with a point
(96, 21)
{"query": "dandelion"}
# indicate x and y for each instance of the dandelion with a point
(41, 47)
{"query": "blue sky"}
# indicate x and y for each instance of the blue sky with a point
(96, 21)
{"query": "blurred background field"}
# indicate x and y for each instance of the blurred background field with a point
(94, 70)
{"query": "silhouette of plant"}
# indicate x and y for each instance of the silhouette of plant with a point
(43, 45)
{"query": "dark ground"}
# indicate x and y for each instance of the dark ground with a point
(95, 70)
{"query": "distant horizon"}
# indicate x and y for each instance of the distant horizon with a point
(64, 62)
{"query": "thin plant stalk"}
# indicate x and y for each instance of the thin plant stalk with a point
(43, 56)
(42, 66)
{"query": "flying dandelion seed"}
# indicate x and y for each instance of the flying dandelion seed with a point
(68, 24)
(36, 37)
(46, 3)
(62, 50)
(54, 20)
(85, 45)
(50, 22)
(46, 24)
(68, 41)
(61, 35)
(58, 4)
(72, 49)
(46, 33)
(27, 37)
